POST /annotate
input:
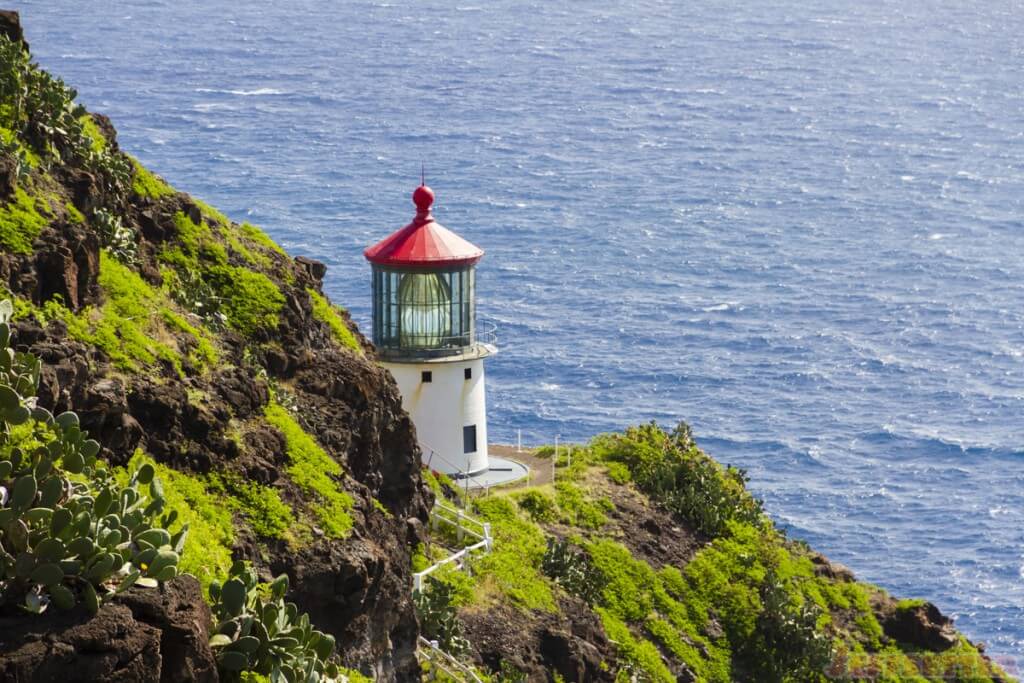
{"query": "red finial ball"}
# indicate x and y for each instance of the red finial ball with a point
(423, 197)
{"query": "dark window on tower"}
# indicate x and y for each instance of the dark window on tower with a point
(468, 372)
(427, 376)
(469, 439)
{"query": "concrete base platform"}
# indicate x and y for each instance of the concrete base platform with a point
(501, 471)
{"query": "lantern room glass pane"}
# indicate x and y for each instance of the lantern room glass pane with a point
(423, 311)
(425, 301)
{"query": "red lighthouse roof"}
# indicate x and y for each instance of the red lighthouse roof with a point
(424, 242)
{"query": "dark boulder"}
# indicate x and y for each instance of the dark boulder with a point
(313, 268)
(920, 625)
(143, 636)
(10, 26)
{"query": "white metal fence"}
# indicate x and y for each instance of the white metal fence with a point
(442, 662)
(464, 526)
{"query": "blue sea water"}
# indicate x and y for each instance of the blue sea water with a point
(798, 226)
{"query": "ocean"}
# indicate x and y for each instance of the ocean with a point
(797, 226)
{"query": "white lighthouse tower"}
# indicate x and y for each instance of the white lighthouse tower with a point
(424, 328)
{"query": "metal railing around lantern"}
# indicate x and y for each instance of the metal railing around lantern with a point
(435, 346)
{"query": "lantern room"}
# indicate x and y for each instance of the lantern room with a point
(423, 288)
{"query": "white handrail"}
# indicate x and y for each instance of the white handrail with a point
(436, 656)
(461, 522)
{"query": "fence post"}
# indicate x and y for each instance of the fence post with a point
(417, 583)
(487, 535)
(459, 533)
(519, 441)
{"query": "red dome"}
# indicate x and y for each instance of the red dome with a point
(424, 242)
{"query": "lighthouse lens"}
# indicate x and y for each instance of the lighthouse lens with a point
(425, 300)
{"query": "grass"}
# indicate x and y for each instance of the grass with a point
(207, 552)
(97, 141)
(262, 507)
(250, 300)
(314, 472)
(237, 243)
(512, 570)
(203, 354)
(21, 222)
(326, 313)
(9, 137)
(134, 327)
(120, 327)
(261, 238)
(147, 184)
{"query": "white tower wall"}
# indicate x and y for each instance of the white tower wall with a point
(442, 407)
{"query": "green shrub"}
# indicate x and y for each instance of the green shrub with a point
(436, 609)
(513, 566)
(577, 509)
(314, 472)
(538, 504)
(670, 468)
(572, 569)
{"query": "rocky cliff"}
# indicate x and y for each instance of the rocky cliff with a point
(180, 336)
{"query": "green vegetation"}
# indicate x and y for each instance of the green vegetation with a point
(259, 633)
(325, 313)
(669, 468)
(512, 569)
(748, 605)
(237, 243)
(577, 509)
(147, 184)
(21, 222)
(207, 550)
(267, 514)
(74, 215)
(314, 472)
(121, 326)
(250, 300)
(45, 126)
(436, 606)
(97, 142)
(259, 237)
(72, 533)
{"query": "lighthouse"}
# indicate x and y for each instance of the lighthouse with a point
(424, 328)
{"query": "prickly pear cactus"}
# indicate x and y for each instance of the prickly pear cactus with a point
(69, 532)
(257, 631)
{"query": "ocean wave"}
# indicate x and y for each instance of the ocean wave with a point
(258, 92)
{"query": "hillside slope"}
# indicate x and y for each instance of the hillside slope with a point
(183, 337)
(646, 560)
